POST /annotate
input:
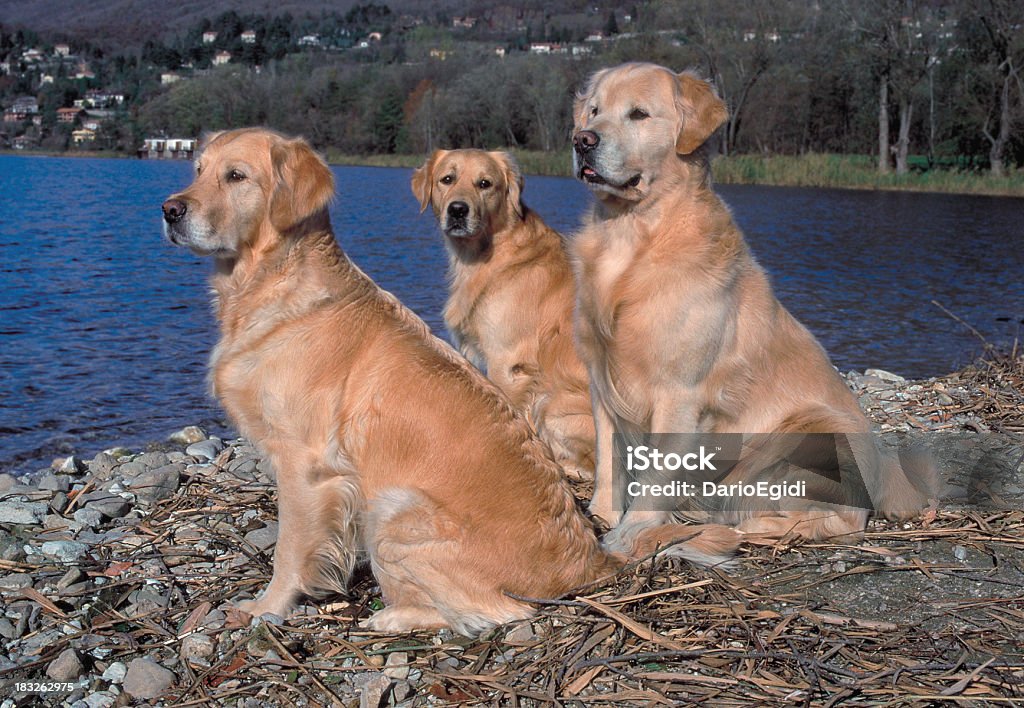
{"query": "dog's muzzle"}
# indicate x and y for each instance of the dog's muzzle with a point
(456, 219)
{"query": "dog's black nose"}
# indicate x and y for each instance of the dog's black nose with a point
(585, 141)
(458, 210)
(174, 210)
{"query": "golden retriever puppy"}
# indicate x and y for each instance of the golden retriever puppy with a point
(677, 322)
(386, 443)
(511, 296)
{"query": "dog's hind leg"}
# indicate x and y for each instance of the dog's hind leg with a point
(427, 577)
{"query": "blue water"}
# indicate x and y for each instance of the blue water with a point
(105, 328)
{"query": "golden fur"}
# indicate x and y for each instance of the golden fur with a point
(677, 322)
(385, 442)
(511, 296)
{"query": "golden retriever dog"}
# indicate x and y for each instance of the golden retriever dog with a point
(511, 296)
(677, 322)
(386, 443)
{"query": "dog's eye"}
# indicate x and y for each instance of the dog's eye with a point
(447, 179)
(638, 114)
(235, 176)
(484, 184)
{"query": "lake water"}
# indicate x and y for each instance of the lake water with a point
(105, 328)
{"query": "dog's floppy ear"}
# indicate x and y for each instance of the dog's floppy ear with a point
(513, 180)
(423, 179)
(304, 183)
(702, 111)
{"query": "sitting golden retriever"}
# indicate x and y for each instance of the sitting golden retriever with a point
(511, 296)
(677, 322)
(385, 441)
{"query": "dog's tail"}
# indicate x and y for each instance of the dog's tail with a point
(709, 545)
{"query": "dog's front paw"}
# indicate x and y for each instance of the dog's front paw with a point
(397, 620)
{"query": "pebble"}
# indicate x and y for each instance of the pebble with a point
(147, 679)
(71, 465)
(372, 688)
(960, 553)
(8, 630)
(100, 699)
(188, 435)
(54, 482)
(66, 667)
(205, 449)
(115, 673)
(65, 551)
(885, 376)
(15, 581)
(110, 505)
(522, 633)
(102, 465)
(156, 484)
(19, 512)
(397, 665)
(263, 538)
(197, 646)
(88, 516)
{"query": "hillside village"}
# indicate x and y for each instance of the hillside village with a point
(61, 95)
(912, 86)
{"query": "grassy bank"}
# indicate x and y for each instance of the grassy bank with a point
(838, 171)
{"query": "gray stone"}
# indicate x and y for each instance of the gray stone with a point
(156, 484)
(197, 646)
(885, 376)
(147, 679)
(110, 505)
(59, 502)
(188, 435)
(372, 689)
(115, 673)
(15, 581)
(65, 551)
(153, 459)
(71, 465)
(102, 465)
(520, 634)
(402, 691)
(19, 512)
(88, 517)
(54, 482)
(205, 449)
(100, 699)
(8, 630)
(66, 667)
(263, 538)
(7, 482)
(265, 470)
(397, 665)
(72, 576)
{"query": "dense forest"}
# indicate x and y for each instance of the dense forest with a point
(914, 83)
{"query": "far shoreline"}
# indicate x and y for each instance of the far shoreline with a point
(816, 171)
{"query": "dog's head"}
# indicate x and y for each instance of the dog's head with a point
(474, 193)
(632, 122)
(251, 184)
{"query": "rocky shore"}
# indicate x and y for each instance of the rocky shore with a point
(117, 575)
